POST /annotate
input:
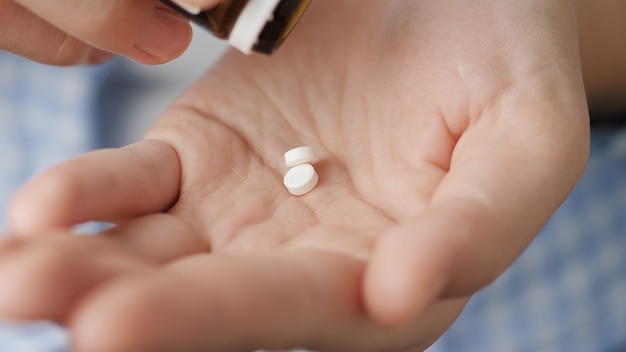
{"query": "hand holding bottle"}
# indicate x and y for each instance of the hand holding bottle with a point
(66, 32)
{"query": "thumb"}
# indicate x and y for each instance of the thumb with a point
(486, 210)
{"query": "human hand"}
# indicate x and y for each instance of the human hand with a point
(65, 32)
(448, 133)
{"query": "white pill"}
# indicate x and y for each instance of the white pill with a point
(300, 155)
(300, 179)
(250, 24)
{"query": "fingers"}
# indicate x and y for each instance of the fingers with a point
(146, 30)
(45, 277)
(219, 303)
(106, 185)
(42, 279)
(25, 34)
(158, 237)
(114, 300)
(496, 197)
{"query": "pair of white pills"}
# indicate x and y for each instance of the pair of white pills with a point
(301, 177)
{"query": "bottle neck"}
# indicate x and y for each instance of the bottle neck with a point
(286, 16)
(221, 20)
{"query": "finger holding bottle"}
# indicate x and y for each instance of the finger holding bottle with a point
(68, 32)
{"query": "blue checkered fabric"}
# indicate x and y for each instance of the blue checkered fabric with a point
(46, 116)
(567, 292)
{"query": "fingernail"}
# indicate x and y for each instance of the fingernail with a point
(164, 34)
(192, 9)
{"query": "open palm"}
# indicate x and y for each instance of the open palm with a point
(444, 145)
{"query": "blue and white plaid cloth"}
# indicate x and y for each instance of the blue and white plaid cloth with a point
(567, 292)
(47, 114)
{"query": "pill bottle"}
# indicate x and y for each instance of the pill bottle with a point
(250, 25)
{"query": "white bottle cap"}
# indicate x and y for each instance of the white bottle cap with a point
(300, 179)
(300, 155)
(250, 24)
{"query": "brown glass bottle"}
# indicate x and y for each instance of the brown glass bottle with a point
(221, 20)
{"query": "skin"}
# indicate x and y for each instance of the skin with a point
(71, 32)
(602, 32)
(447, 133)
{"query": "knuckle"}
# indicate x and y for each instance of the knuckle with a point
(106, 22)
(24, 34)
(69, 51)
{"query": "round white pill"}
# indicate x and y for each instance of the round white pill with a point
(300, 155)
(300, 179)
